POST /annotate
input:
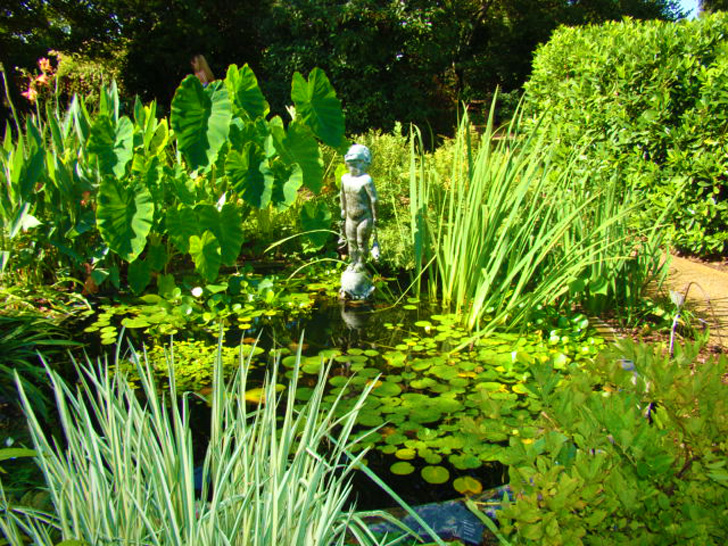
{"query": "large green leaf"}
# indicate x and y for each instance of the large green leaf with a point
(315, 216)
(201, 120)
(226, 225)
(205, 252)
(139, 275)
(284, 182)
(181, 223)
(318, 107)
(124, 216)
(112, 143)
(245, 92)
(245, 176)
(298, 146)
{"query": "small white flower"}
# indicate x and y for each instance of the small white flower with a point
(197, 291)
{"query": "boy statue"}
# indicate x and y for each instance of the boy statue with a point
(359, 216)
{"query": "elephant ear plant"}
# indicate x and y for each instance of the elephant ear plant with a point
(104, 195)
(125, 469)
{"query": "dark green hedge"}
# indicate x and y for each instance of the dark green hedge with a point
(648, 102)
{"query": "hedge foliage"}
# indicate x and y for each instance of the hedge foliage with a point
(648, 102)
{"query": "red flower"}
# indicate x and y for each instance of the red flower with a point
(31, 94)
(45, 65)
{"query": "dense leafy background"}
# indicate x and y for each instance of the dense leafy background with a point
(645, 101)
(389, 61)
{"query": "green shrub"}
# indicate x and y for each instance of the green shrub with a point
(632, 451)
(649, 101)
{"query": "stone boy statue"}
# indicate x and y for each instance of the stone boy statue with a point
(359, 215)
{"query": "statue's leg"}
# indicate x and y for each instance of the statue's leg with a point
(363, 232)
(351, 238)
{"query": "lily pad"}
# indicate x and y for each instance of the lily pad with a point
(402, 468)
(467, 485)
(395, 358)
(387, 389)
(406, 454)
(435, 474)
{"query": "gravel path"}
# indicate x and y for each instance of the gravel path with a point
(707, 294)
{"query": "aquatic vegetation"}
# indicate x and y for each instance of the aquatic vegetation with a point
(244, 301)
(437, 406)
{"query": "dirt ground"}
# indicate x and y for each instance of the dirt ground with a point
(706, 286)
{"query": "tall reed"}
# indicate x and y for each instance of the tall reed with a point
(124, 471)
(508, 228)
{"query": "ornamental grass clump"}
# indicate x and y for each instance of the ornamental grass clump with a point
(507, 230)
(123, 467)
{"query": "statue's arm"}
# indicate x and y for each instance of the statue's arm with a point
(343, 199)
(372, 192)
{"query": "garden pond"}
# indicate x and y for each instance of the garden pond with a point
(442, 405)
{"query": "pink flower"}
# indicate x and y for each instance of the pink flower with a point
(45, 65)
(42, 79)
(31, 94)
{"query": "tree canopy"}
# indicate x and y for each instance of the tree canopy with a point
(389, 61)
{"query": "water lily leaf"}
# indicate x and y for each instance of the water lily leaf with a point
(406, 454)
(490, 386)
(326, 354)
(396, 359)
(402, 468)
(467, 485)
(421, 364)
(426, 415)
(311, 367)
(395, 439)
(520, 389)
(200, 117)
(124, 215)
(387, 449)
(435, 474)
(387, 389)
(369, 418)
(304, 393)
(338, 381)
(422, 384)
(389, 403)
(431, 457)
(133, 323)
(318, 107)
(444, 371)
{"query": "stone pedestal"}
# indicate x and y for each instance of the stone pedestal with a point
(356, 284)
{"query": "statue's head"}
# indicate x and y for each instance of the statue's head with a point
(359, 152)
